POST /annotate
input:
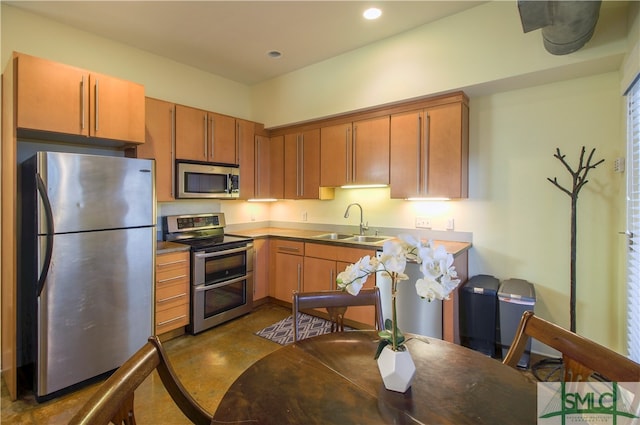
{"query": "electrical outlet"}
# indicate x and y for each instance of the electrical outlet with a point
(618, 165)
(423, 222)
(450, 224)
(304, 216)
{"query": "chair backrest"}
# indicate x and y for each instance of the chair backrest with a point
(113, 401)
(581, 357)
(336, 303)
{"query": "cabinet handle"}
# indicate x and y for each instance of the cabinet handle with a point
(299, 275)
(346, 148)
(297, 165)
(164, 300)
(333, 281)
(169, 279)
(170, 263)
(82, 102)
(171, 320)
(353, 158)
(238, 138)
(288, 248)
(97, 89)
(213, 125)
(173, 152)
(426, 151)
(418, 153)
(204, 138)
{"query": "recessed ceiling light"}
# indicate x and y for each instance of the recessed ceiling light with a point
(372, 13)
(274, 54)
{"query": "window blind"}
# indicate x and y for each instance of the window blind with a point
(633, 221)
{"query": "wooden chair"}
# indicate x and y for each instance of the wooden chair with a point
(336, 303)
(580, 357)
(113, 401)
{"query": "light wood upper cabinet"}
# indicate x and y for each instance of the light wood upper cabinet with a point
(160, 145)
(58, 98)
(276, 167)
(430, 152)
(246, 147)
(205, 136)
(302, 165)
(355, 153)
(269, 171)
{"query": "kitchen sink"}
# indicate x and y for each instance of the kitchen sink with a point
(368, 239)
(334, 236)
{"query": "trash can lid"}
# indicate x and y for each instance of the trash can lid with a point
(482, 284)
(517, 289)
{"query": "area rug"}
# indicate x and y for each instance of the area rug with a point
(308, 326)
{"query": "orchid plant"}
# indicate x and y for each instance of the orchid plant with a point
(438, 281)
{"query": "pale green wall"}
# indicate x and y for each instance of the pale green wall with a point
(518, 116)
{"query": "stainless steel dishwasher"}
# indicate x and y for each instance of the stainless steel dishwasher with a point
(415, 315)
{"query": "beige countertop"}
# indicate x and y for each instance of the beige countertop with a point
(164, 247)
(452, 247)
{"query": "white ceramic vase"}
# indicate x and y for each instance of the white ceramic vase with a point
(396, 368)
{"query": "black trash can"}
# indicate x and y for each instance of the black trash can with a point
(478, 314)
(515, 296)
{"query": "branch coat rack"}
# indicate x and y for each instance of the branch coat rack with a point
(579, 177)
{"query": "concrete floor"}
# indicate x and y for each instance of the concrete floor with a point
(207, 364)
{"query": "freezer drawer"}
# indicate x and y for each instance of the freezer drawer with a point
(95, 309)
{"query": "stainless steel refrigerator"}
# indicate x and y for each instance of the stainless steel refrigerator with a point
(86, 266)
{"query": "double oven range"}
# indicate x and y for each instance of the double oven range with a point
(221, 268)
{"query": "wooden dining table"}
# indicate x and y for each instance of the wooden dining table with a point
(334, 379)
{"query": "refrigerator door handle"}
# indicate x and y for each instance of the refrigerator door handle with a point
(50, 230)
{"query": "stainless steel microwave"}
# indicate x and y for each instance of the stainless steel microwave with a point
(202, 180)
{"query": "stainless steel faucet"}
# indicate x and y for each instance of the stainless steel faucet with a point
(363, 226)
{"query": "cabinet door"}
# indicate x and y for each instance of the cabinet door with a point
(371, 151)
(276, 167)
(261, 269)
(335, 155)
(289, 275)
(262, 182)
(246, 143)
(406, 155)
(222, 139)
(310, 157)
(52, 96)
(117, 109)
(319, 274)
(291, 166)
(159, 145)
(302, 165)
(191, 134)
(361, 314)
(448, 150)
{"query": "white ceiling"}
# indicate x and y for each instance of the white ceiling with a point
(232, 38)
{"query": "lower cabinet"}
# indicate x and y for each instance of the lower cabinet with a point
(322, 263)
(289, 263)
(172, 291)
(260, 269)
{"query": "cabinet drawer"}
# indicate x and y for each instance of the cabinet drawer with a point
(172, 261)
(172, 318)
(169, 296)
(289, 247)
(169, 277)
(336, 253)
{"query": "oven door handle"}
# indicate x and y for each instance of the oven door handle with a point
(200, 288)
(220, 253)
